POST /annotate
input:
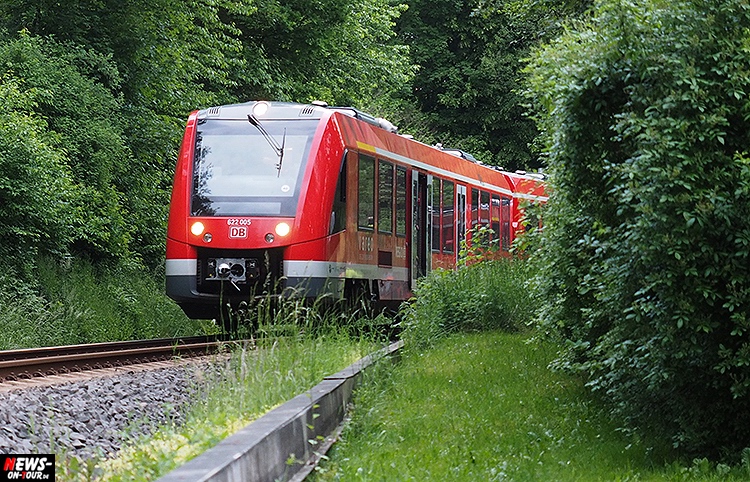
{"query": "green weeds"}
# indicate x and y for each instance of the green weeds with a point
(485, 406)
(227, 396)
(485, 295)
(79, 303)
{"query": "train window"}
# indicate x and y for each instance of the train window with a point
(237, 173)
(484, 209)
(505, 230)
(366, 189)
(338, 215)
(474, 208)
(495, 216)
(400, 201)
(461, 214)
(385, 197)
(435, 214)
(448, 217)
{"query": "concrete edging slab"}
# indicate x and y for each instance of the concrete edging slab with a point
(259, 452)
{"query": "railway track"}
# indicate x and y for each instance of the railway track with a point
(40, 362)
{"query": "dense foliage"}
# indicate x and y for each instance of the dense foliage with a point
(646, 261)
(490, 294)
(80, 303)
(469, 55)
(102, 91)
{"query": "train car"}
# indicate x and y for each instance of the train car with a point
(528, 187)
(275, 198)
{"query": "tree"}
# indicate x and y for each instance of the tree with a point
(339, 51)
(646, 258)
(35, 184)
(81, 117)
(156, 60)
(469, 55)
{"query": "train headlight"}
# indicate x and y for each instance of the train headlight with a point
(269, 238)
(282, 229)
(197, 228)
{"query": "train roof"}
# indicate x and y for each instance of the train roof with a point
(528, 184)
(268, 110)
(290, 110)
(379, 140)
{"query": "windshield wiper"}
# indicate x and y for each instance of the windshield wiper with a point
(271, 141)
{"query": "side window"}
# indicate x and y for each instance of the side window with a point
(366, 190)
(505, 230)
(461, 216)
(338, 214)
(436, 197)
(495, 216)
(474, 208)
(448, 217)
(484, 209)
(385, 197)
(400, 201)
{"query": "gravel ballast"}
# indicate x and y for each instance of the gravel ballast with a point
(92, 418)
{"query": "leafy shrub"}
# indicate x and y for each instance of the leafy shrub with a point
(84, 303)
(485, 295)
(646, 260)
(35, 184)
(81, 127)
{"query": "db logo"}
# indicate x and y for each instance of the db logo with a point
(27, 467)
(238, 232)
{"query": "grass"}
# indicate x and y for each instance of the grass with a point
(251, 383)
(485, 295)
(485, 406)
(81, 303)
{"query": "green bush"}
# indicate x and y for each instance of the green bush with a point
(485, 295)
(67, 88)
(35, 184)
(646, 259)
(86, 303)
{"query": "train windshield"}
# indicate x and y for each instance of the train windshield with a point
(236, 170)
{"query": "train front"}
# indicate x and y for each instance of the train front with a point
(238, 181)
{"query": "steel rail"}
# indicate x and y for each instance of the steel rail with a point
(36, 362)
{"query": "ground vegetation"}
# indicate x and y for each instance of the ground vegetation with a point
(645, 262)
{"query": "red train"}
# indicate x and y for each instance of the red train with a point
(273, 198)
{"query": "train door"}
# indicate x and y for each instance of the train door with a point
(460, 217)
(421, 221)
(505, 228)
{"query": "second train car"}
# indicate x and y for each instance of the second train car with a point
(272, 198)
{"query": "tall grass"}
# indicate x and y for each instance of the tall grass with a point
(485, 295)
(228, 396)
(81, 303)
(293, 311)
(485, 406)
